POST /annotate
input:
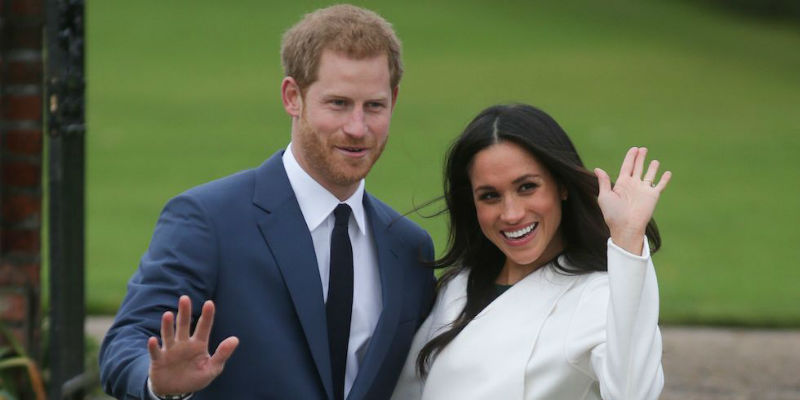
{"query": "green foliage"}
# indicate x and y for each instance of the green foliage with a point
(13, 358)
(182, 92)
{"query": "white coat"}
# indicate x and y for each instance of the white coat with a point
(550, 336)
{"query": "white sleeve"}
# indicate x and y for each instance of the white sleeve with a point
(628, 363)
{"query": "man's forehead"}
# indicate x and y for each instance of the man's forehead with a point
(339, 72)
(343, 59)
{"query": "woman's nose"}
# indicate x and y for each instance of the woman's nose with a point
(513, 210)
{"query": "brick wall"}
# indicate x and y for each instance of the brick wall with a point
(21, 108)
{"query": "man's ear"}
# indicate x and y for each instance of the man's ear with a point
(394, 96)
(292, 97)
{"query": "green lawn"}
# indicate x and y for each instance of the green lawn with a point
(182, 92)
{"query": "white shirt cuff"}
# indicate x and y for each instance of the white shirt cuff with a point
(153, 395)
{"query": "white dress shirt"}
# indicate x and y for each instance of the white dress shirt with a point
(317, 205)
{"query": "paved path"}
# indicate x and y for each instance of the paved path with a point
(705, 363)
(731, 364)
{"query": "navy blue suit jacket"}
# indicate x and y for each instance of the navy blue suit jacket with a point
(242, 242)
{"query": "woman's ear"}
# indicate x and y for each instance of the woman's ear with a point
(563, 193)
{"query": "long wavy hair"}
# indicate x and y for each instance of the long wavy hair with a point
(583, 230)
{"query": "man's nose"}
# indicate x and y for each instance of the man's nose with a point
(356, 125)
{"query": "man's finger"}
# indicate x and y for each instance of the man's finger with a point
(203, 329)
(153, 349)
(167, 329)
(224, 352)
(184, 318)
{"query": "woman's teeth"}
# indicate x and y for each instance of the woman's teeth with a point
(520, 233)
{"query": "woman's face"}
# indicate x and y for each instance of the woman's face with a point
(518, 204)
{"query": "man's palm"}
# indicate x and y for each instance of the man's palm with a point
(182, 363)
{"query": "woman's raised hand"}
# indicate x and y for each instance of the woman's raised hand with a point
(629, 205)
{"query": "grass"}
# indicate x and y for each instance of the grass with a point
(183, 92)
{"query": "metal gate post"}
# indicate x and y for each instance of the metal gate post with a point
(65, 103)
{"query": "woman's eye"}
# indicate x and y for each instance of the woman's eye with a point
(527, 187)
(487, 196)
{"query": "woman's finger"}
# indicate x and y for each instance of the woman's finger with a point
(638, 164)
(664, 180)
(627, 163)
(650, 175)
(603, 181)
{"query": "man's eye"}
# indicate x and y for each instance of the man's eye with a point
(338, 103)
(375, 105)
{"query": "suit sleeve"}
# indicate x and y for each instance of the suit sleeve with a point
(428, 256)
(410, 384)
(628, 363)
(449, 302)
(182, 259)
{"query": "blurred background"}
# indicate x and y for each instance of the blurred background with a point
(183, 92)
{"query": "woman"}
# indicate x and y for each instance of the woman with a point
(541, 303)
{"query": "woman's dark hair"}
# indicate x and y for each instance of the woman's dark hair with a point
(583, 230)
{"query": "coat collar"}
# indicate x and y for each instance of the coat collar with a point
(502, 337)
(316, 202)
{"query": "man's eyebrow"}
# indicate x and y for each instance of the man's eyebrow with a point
(328, 96)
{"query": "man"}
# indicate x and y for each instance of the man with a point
(315, 287)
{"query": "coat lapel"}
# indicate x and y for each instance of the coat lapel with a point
(501, 338)
(392, 283)
(287, 237)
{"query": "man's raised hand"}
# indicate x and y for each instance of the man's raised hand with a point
(182, 363)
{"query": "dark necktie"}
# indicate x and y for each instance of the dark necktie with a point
(340, 297)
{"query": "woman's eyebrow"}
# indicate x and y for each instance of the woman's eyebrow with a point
(525, 177)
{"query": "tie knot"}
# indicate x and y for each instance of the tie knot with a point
(342, 214)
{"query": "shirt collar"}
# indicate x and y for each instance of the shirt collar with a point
(317, 203)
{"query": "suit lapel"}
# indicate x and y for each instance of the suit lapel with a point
(392, 283)
(287, 237)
